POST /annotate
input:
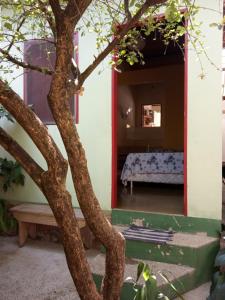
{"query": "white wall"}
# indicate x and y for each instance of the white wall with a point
(204, 126)
(204, 120)
(223, 131)
(94, 129)
(223, 107)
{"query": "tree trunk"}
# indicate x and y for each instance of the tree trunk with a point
(52, 184)
(59, 103)
(52, 181)
(60, 202)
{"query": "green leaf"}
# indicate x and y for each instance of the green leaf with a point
(146, 272)
(8, 25)
(151, 288)
(213, 25)
(122, 52)
(132, 2)
(11, 174)
(144, 293)
(7, 222)
(140, 269)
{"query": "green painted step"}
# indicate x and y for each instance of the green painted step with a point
(195, 244)
(185, 249)
(181, 276)
(164, 221)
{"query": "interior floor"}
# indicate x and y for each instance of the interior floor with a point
(162, 198)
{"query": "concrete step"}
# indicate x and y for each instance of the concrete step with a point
(181, 276)
(178, 223)
(195, 250)
(185, 249)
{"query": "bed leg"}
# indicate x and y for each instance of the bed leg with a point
(131, 188)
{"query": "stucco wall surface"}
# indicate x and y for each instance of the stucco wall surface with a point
(204, 126)
(94, 129)
(204, 149)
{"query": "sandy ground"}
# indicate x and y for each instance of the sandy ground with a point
(35, 272)
(38, 271)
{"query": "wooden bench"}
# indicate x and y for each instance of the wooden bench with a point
(29, 215)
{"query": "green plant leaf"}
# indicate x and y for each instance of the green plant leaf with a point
(138, 294)
(7, 222)
(11, 174)
(146, 272)
(140, 269)
(151, 288)
(8, 25)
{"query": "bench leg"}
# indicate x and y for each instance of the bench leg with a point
(23, 233)
(87, 237)
(32, 230)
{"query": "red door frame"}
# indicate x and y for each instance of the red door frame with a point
(114, 137)
(185, 208)
(114, 130)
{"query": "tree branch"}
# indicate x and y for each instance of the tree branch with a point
(14, 36)
(37, 131)
(117, 39)
(29, 165)
(76, 8)
(24, 65)
(127, 11)
(56, 9)
(48, 17)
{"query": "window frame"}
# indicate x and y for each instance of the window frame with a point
(143, 115)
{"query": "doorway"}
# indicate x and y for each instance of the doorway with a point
(149, 121)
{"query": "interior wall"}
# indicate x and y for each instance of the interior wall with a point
(162, 85)
(125, 112)
(151, 93)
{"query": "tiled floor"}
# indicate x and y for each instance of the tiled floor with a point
(163, 198)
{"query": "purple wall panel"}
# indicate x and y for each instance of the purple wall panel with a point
(36, 84)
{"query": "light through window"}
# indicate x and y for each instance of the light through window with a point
(151, 115)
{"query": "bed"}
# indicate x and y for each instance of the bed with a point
(160, 167)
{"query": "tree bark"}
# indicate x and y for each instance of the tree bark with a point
(97, 222)
(58, 99)
(52, 180)
(61, 204)
(29, 165)
(52, 184)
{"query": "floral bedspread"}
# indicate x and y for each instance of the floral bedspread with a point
(152, 163)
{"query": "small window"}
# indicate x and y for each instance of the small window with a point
(151, 115)
(36, 84)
